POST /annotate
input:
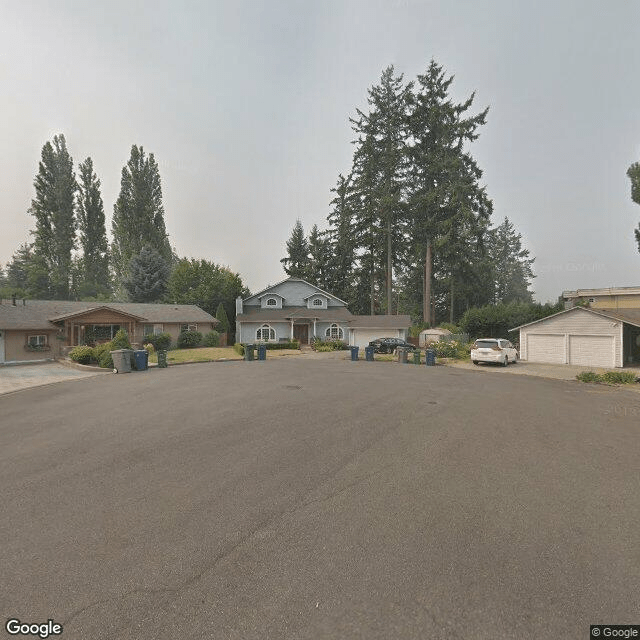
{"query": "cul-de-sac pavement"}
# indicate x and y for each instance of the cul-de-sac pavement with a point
(320, 498)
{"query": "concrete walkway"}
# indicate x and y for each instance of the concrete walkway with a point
(23, 376)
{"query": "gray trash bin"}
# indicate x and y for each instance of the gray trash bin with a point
(122, 360)
(248, 351)
(401, 352)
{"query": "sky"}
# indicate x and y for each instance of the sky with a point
(246, 106)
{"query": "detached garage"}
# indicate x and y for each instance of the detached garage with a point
(581, 336)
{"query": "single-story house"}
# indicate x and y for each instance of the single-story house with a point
(583, 336)
(296, 309)
(613, 298)
(32, 330)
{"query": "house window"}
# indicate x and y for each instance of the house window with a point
(37, 341)
(272, 302)
(188, 327)
(317, 302)
(265, 332)
(334, 332)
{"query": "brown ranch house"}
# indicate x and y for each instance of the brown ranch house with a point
(32, 330)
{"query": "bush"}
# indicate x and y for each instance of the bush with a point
(189, 339)
(120, 341)
(609, 377)
(239, 349)
(211, 339)
(105, 360)
(160, 341)
(149, 348)
(328, 345)
(83, 355)
(452, 349)
(293, 344)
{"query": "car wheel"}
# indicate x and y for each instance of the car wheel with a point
(475, 362)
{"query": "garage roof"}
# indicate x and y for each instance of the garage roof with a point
(628, 316)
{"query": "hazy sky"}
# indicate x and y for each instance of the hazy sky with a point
(246, 107)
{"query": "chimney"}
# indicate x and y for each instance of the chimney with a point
(238, 306)
(13, 299)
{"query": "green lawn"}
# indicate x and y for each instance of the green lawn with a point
(213, 354)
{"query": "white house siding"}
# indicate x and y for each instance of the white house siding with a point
(362, 337)
(577, 336)
(294, 293)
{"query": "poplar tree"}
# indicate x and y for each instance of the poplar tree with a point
(634, 175)
(94, 266)
(138, 215)
(53, 210)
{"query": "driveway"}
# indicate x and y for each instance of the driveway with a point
(24, 376)
(320, 499)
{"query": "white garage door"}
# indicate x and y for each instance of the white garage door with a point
(591, 351)
(362, 337)
(545, 348)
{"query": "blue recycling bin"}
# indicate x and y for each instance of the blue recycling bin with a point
(141, 358)
(354, 353)
(262, 352)
(368, 354)
(430, 359)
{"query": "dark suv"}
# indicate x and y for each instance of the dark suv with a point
(389, 345)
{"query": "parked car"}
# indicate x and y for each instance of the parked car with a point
(494, 350)
(389, 345)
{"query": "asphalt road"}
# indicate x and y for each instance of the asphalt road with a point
(320, 499)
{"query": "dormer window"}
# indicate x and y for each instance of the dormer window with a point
(317, 302)
(272, 302)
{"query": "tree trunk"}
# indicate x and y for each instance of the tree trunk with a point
(389, 268)
(426, 305)
(452, 301)
(373, 285)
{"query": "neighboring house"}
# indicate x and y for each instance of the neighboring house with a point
(583, 336)
(608, 298)
(427, 336)
(32, 330)
(296, 309)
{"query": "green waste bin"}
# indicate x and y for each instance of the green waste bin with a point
(416, 356)
(162, 359)
(248, 351)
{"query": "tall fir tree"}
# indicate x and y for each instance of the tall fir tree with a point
(148, 276)
(296, 264)
(17, 269)
(53, 210)
(222, 318)
(94, 269)
(634, 175)
(138, 216)
(319, 254)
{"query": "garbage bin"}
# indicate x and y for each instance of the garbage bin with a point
(354, 353)
(368, 354)
(401, 352)
(248, 351)
(430, 357)
(262, 352)
(162, 359)
(416, 356)
(141, 357)
(122, 360)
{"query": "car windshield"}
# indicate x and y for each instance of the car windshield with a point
(485, 344)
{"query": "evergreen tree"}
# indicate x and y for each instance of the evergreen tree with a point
(296, 264)
(148, 275)
(634, 175)
(17, 269)
(223, 319)
(447, 204)
(319, 249)
(53, 209)
(95, 280)
(511, 265)
(138, 215)
(342, 245)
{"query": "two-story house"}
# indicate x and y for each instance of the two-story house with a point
(296, 309)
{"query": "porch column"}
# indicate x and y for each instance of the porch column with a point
(314, 328)
(292, 328)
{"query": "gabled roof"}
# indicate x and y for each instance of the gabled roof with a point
(291, 279)
(83, 312)
(380, 322)
(628, 316)
(39, 314)
(270, 293)
(608, 291)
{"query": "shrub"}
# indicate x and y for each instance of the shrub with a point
(239, 348)
(83, 355)
(323, 347)
(293, 344)
(211, 339)
(328, 345)
(160, 341)
(105, 360)
(609, 377)
(189, 339)
(149, 348)
(120, 341)
(451, 349)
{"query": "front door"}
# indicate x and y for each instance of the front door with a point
(301, 333)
